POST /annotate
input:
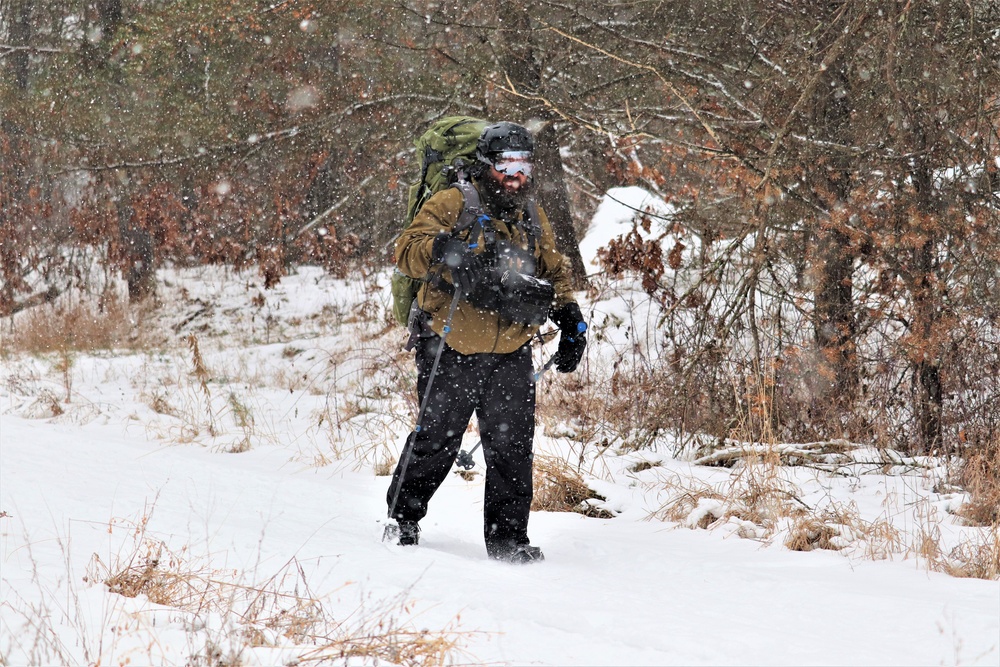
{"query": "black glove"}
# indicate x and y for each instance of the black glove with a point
(572, 337)
(465, 266)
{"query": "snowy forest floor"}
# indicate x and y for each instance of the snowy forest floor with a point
(212, 493)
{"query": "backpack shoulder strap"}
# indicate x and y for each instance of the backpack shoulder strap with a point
(473, 213)
(532, 223)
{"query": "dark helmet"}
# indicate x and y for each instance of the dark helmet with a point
(503, 137)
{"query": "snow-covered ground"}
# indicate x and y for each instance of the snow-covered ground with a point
(233, 478)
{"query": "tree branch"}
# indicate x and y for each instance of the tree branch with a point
(8, 49)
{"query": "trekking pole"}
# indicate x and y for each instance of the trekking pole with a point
(548, 364)
(408, 447)
(464, 459)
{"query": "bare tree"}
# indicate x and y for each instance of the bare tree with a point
(523, 84)
(839, 137)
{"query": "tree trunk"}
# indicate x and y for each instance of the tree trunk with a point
(109, 13)
(519, 64)
(20, 35)
(929, 399)
(14, 182)
(926, 354)
(137, 252)
(834, 325)
(554, 198)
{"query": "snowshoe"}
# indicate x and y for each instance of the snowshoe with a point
(406, 533)
(521, 554)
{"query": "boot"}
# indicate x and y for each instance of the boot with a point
(409, 533)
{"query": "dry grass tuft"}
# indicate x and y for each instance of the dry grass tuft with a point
(841, 527)
(160, 404)
(202, 375)
(467, 475)
(244, 419)
(881, 540)
(812, 532)
(687, 496)
(759, 494)
(79, 325)
(755, 494)
(561, 488)
(277, 610)
(385, 466)
(199, 369)
(378, 635)
(643, 466)
(980, 476)
(155, 573)
(977, 558)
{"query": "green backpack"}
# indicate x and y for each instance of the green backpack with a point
(446, 146)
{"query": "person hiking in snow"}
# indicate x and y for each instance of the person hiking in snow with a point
(510, 278)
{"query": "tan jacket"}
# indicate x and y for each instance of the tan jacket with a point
(474, 330)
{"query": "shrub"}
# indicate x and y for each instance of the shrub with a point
(560, 488)
(81, 325)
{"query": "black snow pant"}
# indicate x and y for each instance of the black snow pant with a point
(500, 388)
